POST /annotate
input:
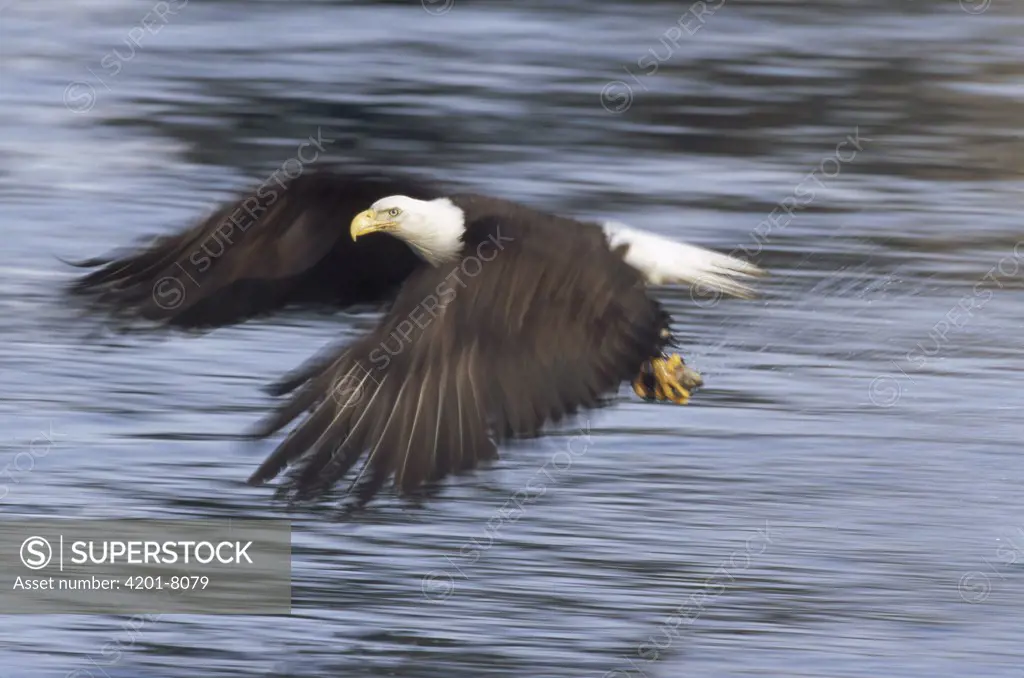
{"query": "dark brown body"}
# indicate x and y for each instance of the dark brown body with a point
(537, 320)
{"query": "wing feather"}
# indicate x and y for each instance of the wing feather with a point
(552, 324)
(269, 248)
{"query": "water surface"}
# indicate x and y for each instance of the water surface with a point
(852, 470)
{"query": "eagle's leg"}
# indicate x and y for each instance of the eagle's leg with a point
(667, 378)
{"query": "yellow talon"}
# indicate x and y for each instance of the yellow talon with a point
(641, 389)
(667, 378)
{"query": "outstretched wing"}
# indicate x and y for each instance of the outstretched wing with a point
(532, 325)
(274, 246)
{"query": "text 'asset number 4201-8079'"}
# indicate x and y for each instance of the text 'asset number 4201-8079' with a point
(94, 583)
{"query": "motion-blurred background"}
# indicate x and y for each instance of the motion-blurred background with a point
(866, 412)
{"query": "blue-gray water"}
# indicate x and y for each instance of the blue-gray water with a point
(867, 412)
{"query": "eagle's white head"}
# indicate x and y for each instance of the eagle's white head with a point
(433, 228)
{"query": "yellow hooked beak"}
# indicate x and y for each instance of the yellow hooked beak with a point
(369, 222)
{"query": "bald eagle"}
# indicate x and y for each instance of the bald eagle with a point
(500, 319)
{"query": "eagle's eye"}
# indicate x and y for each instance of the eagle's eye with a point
(394, 212)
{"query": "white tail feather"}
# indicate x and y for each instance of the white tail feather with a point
(667, 262)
